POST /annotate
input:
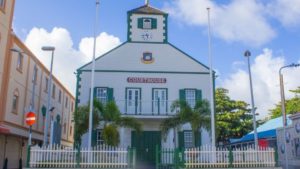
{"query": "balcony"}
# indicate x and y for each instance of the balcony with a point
(145, 109)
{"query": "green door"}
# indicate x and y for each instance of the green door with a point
(145, 143)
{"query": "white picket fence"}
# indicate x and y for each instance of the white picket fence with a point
(98, 157)
(209, 157)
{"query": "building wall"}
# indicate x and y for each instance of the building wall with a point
(113, 70)
(293, 144)
(22, 82)
(6, 14)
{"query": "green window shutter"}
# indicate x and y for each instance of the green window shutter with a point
(198, 94)
(94, 137)
(95, 92)
(181, 140)
(153, 23)
(110, 94)
(140, 23)
(181, 94)
(197, 136)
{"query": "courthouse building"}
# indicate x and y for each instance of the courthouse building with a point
(19, 71)
(144, 75)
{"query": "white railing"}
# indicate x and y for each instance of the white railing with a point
(209, 157)
(98, 157)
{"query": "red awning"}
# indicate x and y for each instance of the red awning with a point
(4, 130)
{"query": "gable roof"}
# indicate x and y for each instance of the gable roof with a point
(147, 9)
(125, 44)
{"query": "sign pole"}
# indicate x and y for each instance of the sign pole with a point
(30, 120)
(29, 147)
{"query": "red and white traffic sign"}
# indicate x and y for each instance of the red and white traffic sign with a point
(30, 118)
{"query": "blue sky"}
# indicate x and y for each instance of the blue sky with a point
(272, 37)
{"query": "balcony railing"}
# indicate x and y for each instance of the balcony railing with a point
(145, 108)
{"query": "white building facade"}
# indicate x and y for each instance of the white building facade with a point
(144, 76)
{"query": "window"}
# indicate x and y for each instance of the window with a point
(20, 62)
(71, 130)
(35, 74)
(101, 95)
(99, 139)
(59, 96)
(66, 103)
(65, 128)
(190, 96)
(72, 106)
(147, 23)
(53, 91)
(15, 101)
(46, 84)
(188, 139)
(2, 4)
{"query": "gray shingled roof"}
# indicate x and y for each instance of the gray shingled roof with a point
(146, 9)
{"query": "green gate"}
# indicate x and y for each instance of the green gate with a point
(169, 158)
(145, 143)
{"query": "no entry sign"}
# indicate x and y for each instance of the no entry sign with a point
(30, 118)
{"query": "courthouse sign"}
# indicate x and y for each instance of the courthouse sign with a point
(146, 80)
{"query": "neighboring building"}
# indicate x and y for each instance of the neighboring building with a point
(19, 72)
(266, 135)
(292, 138)
(144, 76)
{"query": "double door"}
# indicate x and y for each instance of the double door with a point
(160, 103)
(133, 101)
(145, 144)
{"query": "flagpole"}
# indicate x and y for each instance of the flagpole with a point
(92, 79)
(212, 101)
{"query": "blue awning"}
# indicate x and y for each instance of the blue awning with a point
(266, 130)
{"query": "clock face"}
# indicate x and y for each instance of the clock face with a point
(146, 35)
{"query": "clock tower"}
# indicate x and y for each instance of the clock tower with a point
(147, 24)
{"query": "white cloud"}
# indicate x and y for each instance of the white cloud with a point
(265, 82)
(238, 21)
(286, 11)
(66, 58)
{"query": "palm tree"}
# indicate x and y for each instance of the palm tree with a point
(107, 114)
(198, 117)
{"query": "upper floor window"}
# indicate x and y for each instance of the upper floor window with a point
(101, 95)
(35, 74)
(147, 23)
(2, 4)
(53, 90)
(66, 103)
(72, 106)
(190, 96)
(59, 96)
(20, 62)
(15, 101)
(46, 84)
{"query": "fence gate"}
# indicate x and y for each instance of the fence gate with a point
(169, 158)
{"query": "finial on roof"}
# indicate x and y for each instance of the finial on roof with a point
(146, 2)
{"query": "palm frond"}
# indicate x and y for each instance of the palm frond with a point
(129, 122)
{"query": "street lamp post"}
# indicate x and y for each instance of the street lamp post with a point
(283, 111)
(247, 54)
(51, 49)
(92, 79)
